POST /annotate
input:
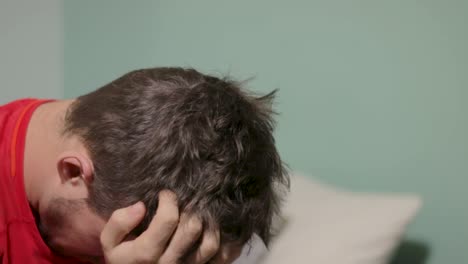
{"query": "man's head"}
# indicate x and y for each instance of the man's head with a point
(204, 138)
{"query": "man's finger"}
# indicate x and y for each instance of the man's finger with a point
(187, 233)
(121, 222)
(227, 254)
(155, 239)
(208, 248)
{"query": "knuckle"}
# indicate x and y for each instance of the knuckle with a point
(194, 227)
(118, 220)
(171, 220)
(212, 246)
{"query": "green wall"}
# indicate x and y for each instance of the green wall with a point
(31, 49)
(373, 94)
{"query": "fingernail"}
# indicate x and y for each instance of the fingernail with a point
(167, 194)
(136, 208)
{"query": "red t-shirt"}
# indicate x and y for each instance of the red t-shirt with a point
(20, 240)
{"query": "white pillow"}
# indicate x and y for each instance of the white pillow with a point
(326, 225)
(253, 252)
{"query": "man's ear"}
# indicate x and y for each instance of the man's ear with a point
(74, 166)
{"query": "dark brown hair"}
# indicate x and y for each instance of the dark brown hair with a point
(204, 138)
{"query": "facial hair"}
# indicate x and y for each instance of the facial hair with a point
(55, 217)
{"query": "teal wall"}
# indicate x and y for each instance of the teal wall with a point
(31, 49)
(373, 94)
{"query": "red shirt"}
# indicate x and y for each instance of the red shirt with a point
(20, 240)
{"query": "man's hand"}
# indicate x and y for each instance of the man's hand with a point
(167, 240)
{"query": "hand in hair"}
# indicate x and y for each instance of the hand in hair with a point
(169, 238)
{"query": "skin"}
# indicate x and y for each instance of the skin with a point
(57, 175)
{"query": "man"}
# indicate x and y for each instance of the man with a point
(163, 165)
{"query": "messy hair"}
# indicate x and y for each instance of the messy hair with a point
(204, 138)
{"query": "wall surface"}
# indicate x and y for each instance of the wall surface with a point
(373, 94)
(31, 49)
